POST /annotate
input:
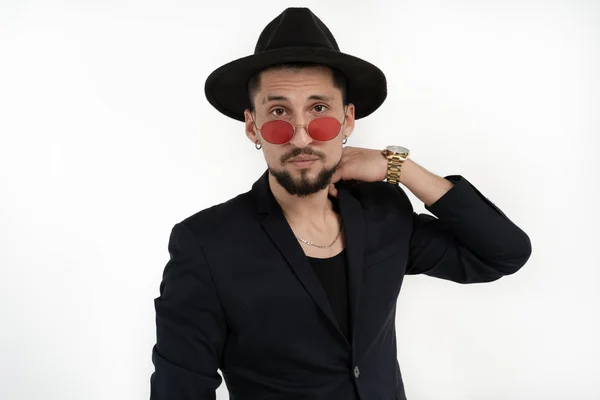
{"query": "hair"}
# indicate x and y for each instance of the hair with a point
(339, 79)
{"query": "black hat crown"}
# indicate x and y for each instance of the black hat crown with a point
(295, 27)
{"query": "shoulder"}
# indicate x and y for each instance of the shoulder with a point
(220, 218)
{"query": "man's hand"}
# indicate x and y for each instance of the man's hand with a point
(366, 165)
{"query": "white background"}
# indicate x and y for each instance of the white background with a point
(106, 141)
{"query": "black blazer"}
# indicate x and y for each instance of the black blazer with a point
(238, 293)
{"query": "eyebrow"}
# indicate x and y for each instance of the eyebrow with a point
(318, 97)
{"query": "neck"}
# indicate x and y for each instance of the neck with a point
(314, 209)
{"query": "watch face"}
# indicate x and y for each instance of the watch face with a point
(397, 149)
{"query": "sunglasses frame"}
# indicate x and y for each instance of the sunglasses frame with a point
(305, 126)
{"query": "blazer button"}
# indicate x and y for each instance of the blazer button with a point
(356, 372)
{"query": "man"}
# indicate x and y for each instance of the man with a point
(291, 289)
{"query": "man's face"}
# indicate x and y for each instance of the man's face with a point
(299, 96)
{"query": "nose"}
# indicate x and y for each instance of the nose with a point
(301, 137)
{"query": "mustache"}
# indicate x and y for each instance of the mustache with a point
(301, 151)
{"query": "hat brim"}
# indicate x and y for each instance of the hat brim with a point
(227, 87)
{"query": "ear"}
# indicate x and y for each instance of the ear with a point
(349, 123)
(251, 132)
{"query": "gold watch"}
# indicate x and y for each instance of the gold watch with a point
(396, 155)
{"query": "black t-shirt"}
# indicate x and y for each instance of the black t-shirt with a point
(332, 275)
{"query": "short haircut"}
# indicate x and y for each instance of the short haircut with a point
(339, 79)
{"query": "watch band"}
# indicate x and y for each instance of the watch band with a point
(394, 168)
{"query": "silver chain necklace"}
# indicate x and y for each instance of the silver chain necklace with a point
(321, 246)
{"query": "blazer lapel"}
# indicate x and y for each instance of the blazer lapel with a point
(354, 227)
(279, 231)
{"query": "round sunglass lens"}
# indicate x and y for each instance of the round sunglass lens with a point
(324, 128)
(277, 132)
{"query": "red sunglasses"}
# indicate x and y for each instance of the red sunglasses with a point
(279, 131)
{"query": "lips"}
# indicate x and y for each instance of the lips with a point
(303, 159)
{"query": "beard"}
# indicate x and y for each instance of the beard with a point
(303, 186)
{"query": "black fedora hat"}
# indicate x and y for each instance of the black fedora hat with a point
(296, 35)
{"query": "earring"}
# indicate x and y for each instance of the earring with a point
(344, 140)
(258, 145)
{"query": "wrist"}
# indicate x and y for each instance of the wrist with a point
(383, 167)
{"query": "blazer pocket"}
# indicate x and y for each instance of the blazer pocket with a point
(382, 254)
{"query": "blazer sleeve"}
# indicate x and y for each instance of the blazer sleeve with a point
(190, 325)
(470, 241)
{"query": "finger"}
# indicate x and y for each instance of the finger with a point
(332, 190)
